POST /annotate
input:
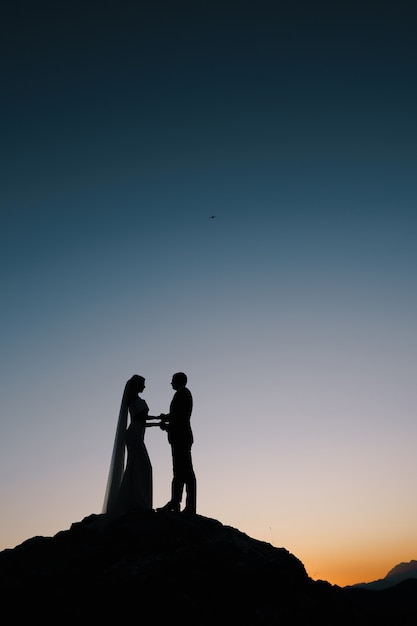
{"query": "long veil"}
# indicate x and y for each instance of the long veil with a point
(118, 457)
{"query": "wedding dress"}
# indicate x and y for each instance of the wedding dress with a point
(129, 487)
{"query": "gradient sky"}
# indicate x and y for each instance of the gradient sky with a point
(125, 125)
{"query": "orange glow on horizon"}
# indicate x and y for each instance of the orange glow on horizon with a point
(349, 570)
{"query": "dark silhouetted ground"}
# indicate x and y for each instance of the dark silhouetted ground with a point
(167, 567)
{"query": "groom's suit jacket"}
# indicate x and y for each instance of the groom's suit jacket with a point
(179, 431)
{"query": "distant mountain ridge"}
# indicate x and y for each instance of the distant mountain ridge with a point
(398, 574)
(407, 570)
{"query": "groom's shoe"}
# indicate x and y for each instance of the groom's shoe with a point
(189, 510)
(174, 508)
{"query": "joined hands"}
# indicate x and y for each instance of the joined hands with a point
(163, 424)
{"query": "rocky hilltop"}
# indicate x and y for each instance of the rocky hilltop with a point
(170, 567)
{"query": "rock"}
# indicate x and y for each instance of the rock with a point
(167, 566)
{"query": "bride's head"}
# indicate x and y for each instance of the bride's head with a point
(135, 385)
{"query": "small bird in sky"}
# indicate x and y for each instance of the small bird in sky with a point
(212, 217)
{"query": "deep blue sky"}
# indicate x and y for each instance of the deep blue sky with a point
(124, 127)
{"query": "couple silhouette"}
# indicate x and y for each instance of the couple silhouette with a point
(129, 487)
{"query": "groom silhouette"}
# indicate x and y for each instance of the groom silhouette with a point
(178, 426)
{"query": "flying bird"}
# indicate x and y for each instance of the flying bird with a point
(212, 217)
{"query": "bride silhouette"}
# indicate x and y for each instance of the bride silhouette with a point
(130, 488)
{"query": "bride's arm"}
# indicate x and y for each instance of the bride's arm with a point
(149, 421)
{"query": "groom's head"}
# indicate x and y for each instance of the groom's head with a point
(179, 380)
